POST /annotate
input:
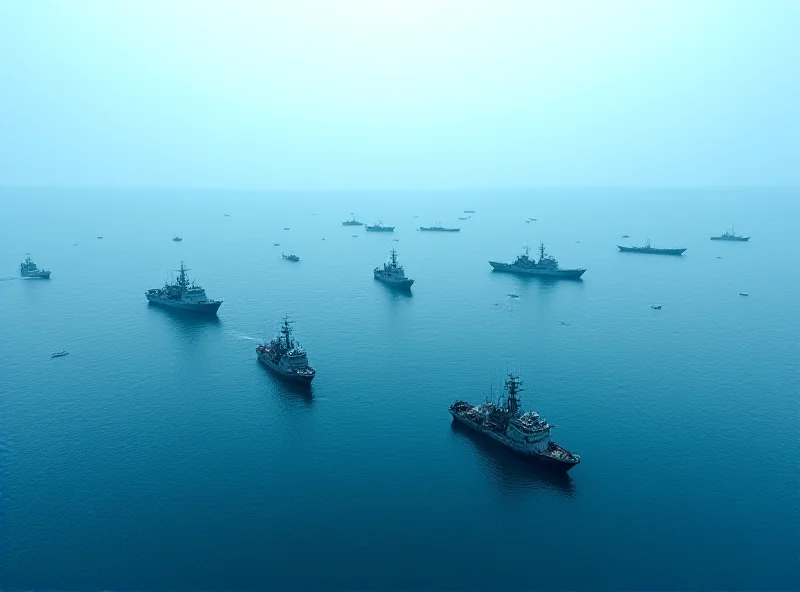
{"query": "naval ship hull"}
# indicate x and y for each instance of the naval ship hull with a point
(428, 229)
(302, 379)
(736, 239)
(651, 251)
(209, 308)
(571, 274)
(541, 459)
(37, 275)
(400, 285)
(379, 228)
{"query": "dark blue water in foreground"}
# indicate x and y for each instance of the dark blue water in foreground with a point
(160, 455)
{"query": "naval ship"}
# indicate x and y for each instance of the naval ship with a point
(28, 269)
(352, 222)
(546, 266)
(438, 228)
(285, 356)
(525, 433)
(730, 235)
(183, 294)
(393, 274)
(379, 227)
(647, 249)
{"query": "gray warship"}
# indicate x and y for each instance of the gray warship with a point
(183, 294)
(438, 228)
(393, 274)
(352, 222)
(379, 227)
(284, 356)
(546, 266)
(28, 269)
(730, 235)
(525, 433)
(648, 250)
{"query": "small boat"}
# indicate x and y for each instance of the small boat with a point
(354, 235)
(625, 236)
(743, 294)
(512, 295)
(395, 240)
(290, 257)
(656, 307)
(227, 215)
(99, 237)
(469, 211)
(177, 239)
(285, 228)
(60, 354)
(276, 244)
(467, 218)
(527, 221)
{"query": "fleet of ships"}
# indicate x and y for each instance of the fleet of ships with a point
(503, 420)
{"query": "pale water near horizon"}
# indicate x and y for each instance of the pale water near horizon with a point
(160, 455)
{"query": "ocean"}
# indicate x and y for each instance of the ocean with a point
(160, 455)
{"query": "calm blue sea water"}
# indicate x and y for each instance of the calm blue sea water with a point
(160, 455)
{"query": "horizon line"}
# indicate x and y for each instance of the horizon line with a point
(387, 190)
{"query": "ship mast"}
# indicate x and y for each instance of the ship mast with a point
(286, 331)
(541, 250)
(394, 258)
(182, 277)
(513, 385)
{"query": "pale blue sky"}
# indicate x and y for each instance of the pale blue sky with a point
(399, 94)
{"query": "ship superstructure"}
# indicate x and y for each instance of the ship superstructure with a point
(183, 294)
(730, 235)
(545, 266)
(284, 356)
(28, 269)
(393, 274)
(524, 432)
(649, 250)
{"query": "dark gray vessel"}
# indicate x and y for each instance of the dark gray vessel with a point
(379, 227)
(648, 250)
(183, 294)
(352, 222)
(284, 356)
(438, 228)
(546, 266)
(525, 433)
(730, 235)
(28, 269)
(393, 274)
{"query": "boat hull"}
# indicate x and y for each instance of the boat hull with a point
(400, 285)
(379, 228)
(569, 274)
(209, 308)
(735, 239)
(302, 379)
(37, 275)
(540, 459)
(651, 251)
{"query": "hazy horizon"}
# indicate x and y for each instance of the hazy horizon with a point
(394, 96)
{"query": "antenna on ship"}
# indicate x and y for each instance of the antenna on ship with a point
(541, 250)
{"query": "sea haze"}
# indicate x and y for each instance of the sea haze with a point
(160, 455)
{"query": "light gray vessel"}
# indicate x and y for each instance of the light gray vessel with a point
(393, 274)
(28, 269)
(546, 266)
(183, 294)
